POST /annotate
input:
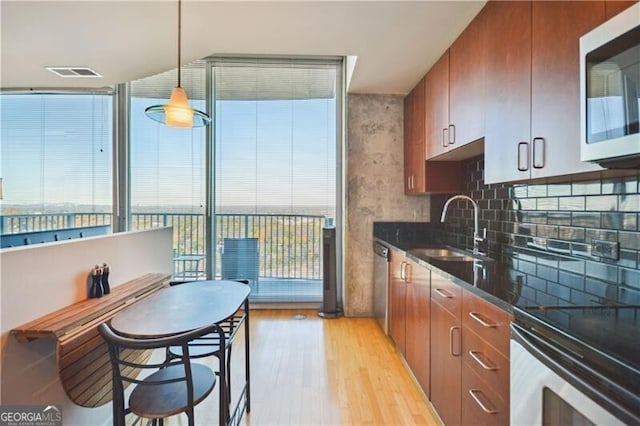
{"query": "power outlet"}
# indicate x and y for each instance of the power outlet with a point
(607, 249)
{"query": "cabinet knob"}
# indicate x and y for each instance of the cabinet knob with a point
(483, 364)
(474, 394)
(445, 137)
(482, 322)
(538, 153)
(523, 156)
(451, 351)
(443, 293)
(452, 134)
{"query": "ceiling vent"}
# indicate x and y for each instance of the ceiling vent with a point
(77, 72)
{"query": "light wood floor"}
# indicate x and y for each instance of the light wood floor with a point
(321, 372)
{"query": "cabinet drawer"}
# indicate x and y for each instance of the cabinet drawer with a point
(488, 321)
(481, 405)
(446, 294)
(489, 364)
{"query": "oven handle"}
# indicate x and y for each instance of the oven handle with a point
(545, 352)
(538, 347)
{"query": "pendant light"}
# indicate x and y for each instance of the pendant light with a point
(178, 112)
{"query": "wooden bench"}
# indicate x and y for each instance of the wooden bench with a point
(81, 354)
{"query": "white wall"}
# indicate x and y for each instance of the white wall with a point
(39, 279)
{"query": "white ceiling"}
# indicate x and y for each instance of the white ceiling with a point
(395, 42)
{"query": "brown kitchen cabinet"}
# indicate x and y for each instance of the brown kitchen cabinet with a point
(467, 67)
(613, 7)
(455, 90)
(417, 342)
(414, 146)
(532, 118)
(469, 356)
(446, 348)
(422, 177)
(455, 95)
(485, 356)
(437, 107)
(397, 300)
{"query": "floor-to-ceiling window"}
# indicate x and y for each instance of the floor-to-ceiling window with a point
(167, 169)
(56, 151)
(267, 167)
(275, 173)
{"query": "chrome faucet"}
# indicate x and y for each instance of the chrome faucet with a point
(477, 239)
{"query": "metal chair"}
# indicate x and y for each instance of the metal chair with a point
(209, 345)
(240, 259)
(176, 385)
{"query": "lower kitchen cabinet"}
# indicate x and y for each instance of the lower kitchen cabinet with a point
(417, 337)
(481, 404)
(409, 314)
(446, 349)
(469, 356)
(454, 341)
(397, 300)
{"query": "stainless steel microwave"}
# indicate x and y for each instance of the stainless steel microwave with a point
(610, 92)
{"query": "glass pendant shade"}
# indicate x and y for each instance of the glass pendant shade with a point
(178, 112)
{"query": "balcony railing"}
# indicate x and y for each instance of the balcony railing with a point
(290, 246)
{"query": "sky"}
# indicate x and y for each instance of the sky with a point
(57, 149)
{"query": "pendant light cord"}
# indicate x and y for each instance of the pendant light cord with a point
(179, 36)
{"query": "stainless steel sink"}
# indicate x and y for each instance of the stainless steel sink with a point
(443, 253)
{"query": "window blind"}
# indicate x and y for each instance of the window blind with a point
(56, 158)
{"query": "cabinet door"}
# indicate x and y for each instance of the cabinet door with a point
(555, 84)
(613, 7)
(467, 63)
(481, 405)
(397, 305)
(414, 140)
(437, 107)
(508, 115)
(418, 319)
(446, 365)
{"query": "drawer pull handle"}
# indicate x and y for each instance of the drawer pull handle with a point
(484, 365)
(473, 393)
(443, 293)
(451, 330)
(482, 322)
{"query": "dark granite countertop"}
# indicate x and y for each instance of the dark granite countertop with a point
(491, 281)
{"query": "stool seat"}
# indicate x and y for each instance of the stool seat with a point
(154, 402)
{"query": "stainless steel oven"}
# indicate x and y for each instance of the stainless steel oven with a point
(570, 366)
(610, 91)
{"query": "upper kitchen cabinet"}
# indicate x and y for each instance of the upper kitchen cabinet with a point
(437, 108)
(508, 82)
(414, 147)
(455, 94)
(613, 7)
(422, 177)
(533, 115)
(467, 66)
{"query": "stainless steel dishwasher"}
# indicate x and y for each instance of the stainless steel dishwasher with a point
(381, 285)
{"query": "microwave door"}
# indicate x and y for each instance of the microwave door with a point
(605, 103)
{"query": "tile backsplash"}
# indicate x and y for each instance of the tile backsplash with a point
(559, 217)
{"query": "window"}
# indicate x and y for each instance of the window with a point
(56, 161)
(275, 141)
(167, 169)
(267, 167)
